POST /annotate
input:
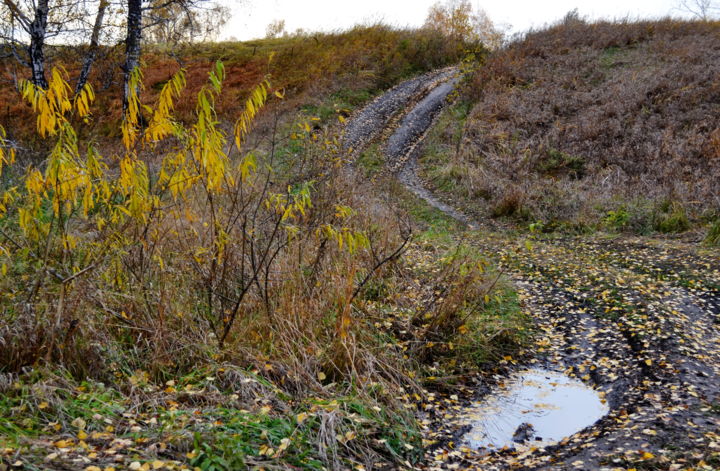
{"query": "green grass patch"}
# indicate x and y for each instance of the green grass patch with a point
(371, 160)
(442, 144)
(713, 235)
(499, 330)
(672, 217)
(48, 402)
(205, 422)
(557, 162)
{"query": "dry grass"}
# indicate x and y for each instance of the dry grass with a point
(571, 122)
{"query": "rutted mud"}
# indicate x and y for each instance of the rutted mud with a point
(421, 99)
(372, 119)
(402, 147)
(635, 319)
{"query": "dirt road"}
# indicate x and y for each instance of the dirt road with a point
(635, 318)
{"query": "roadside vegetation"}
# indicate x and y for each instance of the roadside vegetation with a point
(199, 279)
(586, 126)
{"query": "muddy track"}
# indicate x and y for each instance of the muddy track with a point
(638, 319)
(401, 119)
(645, 340)
(375, 117)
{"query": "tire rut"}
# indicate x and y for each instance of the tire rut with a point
(635, 318)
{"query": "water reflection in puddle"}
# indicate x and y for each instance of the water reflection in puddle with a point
(534, 408)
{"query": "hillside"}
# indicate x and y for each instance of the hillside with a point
(591, 125)
(322, 72)
(375, 249)
(206, 284)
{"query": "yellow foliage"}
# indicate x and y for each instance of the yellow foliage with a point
(458, 20)
(257, 100)
(51, 105)
(7, 154)
(131, 122)
(195, 207)
(83, 100)
(162, 125)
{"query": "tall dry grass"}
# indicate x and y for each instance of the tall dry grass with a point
(579, 119)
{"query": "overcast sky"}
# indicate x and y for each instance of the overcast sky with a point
(251, 17)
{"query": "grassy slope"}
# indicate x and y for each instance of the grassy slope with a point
(145, 390)
(587, 125)
(354, 63)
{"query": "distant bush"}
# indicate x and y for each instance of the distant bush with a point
(617, 219)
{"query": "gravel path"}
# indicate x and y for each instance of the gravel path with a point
(422, 99)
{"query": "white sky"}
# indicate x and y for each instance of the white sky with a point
(251, 17)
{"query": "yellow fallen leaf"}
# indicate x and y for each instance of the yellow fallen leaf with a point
(82, 435)
(321, 376)
(63, 443)
(79, 423)
(157, 464)
(284, 444)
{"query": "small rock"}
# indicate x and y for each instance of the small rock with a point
(523, 433)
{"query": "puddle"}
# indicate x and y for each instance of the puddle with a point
(534, 408)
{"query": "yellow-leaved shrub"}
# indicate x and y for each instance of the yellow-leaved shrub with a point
(170, 244)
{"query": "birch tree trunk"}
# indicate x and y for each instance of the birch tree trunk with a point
(132, 45)
(94, 43)
(38, 30)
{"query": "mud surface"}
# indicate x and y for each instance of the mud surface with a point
(416, 123)
(637, 319)
(372, 119)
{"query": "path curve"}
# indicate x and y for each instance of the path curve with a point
(638, 320)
